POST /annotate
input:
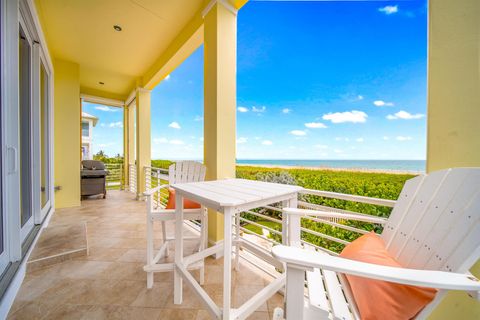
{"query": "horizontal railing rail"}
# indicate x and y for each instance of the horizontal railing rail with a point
(115, 178)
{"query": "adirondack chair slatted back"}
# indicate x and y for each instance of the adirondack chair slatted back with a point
(436, 222)
(186, 171)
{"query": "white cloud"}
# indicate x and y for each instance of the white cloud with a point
(107, 109)
(242, 140)
(389, 9)
(286, 110)
(342, 139)
(359, 140)
(102, 124)
(198, 118)
(176, 142)
(118, 124)
(315, 125)
(167, 77)
(298, 132)
(405, 116)
(267, 142)
(259, 109)
(201, 139)
(353, 116)
(321, 146)
(160, 140)
(242, 109)
(338, 151)
(381, 103)
(386, 138)
(402, 138)
(174, 125)
(360, 97)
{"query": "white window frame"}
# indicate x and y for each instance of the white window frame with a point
(5, 255)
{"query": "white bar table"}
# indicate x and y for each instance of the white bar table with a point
(230, 197)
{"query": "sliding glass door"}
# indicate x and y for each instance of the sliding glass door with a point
(25, 131)
(45, 142)
(4, 257)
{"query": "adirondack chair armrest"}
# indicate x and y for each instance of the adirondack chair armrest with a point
(307, 259)
(152, 191)
(328, 214)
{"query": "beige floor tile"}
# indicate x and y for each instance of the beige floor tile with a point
(110, 283)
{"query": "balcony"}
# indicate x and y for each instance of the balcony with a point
(107, 279)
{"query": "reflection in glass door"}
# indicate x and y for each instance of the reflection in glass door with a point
(25, 102)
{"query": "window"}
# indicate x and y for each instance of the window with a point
(85, 129)
(44, 139)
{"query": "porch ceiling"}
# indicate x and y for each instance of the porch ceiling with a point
(82, 32)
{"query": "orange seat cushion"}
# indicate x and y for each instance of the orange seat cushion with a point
(378, 299)
(187, 204)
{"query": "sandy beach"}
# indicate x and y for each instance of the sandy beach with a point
(331, 169)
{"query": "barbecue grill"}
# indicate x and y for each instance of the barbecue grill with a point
(94, 176)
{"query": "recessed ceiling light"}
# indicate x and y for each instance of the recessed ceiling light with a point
(102, 83)
(117, 28)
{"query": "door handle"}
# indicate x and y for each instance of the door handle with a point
(15, 159)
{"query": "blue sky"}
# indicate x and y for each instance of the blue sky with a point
(315, 80)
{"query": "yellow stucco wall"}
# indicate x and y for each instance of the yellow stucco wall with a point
(67, 114)
(454, 109)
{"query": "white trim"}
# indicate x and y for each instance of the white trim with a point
(140, 89)
(39, 35)
(131, 98)
(225, 4)
(4, 256)
(101, 100)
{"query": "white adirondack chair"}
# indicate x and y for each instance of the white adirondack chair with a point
(433, 230)
(180, 172)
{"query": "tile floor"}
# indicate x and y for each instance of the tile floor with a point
(110, 283)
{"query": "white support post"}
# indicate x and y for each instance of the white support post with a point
(227, 260)
(237, 242)
(294, 294)
(178, 280)
(294, 224)
(285, 204)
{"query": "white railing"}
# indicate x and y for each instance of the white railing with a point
(155, 177)
(132, 178)
(114, 178)
(262, 227)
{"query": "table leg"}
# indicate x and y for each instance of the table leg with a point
(178, 281)
(227, 262)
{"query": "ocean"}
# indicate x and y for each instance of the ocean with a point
(387, 165)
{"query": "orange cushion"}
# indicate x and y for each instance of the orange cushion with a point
(187, 204)
(378, 299)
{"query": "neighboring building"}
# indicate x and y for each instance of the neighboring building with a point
(88, 122)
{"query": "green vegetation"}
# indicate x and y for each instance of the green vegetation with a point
(376, 185)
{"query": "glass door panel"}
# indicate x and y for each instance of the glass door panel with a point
(25, 101)
(44, 141)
